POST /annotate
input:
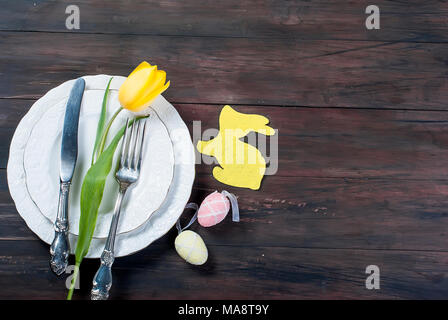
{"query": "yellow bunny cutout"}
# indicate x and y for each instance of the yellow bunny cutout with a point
(240, 164)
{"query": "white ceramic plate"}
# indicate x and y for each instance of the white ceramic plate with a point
(42, 162)
(139, 232)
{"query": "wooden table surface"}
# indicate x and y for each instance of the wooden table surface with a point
(363, 142)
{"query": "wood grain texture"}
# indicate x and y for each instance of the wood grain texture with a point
(313, 213)
(363, 154)
(317, 142)
(158, 272)
(349, 143)
(238, 71)
(422, 21)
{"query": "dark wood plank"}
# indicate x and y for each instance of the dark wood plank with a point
(345, 142)
(12, 111)
(241, 71)
(317, 142)
(319, 19)
(233, 273)
(312, 213)
(355, 186)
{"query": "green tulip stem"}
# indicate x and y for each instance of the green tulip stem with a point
(104, 137)
(73, 283)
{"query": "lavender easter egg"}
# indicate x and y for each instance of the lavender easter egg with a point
(190, 246)
(213, 209)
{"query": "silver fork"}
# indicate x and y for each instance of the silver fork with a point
(127, 174)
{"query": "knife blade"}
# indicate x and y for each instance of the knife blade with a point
(60, 247)
(69, 146)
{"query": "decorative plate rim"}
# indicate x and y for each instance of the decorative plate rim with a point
(157, 224)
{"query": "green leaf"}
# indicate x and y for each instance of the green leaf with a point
(91, 195)
(92, 191)
(101, 123)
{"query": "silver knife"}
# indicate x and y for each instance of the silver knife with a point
(60, 248)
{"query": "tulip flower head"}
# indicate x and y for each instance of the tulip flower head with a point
(141, 87)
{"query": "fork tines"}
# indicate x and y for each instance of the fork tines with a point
(132, 146)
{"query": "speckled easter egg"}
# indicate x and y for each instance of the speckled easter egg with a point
(213, 209)
(190, 246)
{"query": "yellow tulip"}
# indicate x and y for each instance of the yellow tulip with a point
(141, 87)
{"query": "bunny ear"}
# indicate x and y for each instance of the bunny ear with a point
(234, 203)
(193, 206)
(268, 131)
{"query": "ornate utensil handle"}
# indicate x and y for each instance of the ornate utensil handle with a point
(102, 282)
(60, 248)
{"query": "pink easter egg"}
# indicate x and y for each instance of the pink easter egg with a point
(213, 209)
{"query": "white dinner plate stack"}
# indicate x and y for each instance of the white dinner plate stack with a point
(151, 207)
